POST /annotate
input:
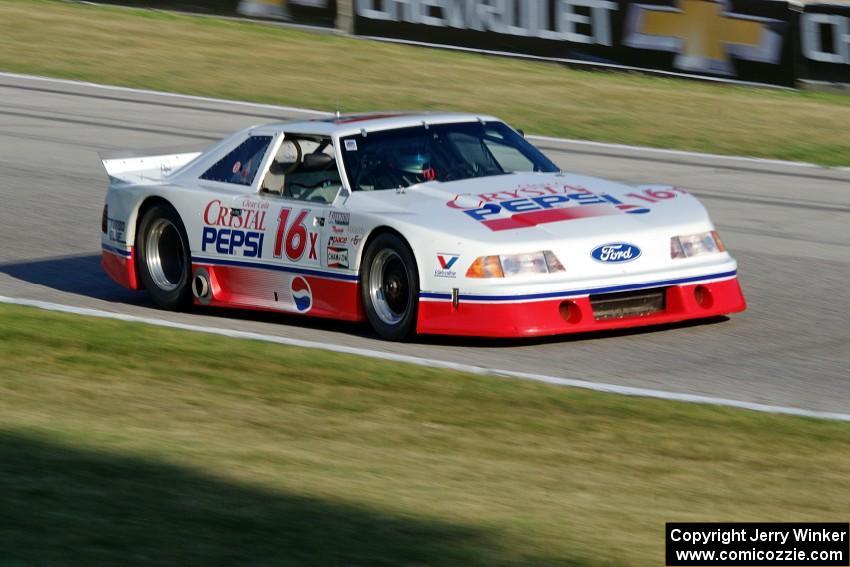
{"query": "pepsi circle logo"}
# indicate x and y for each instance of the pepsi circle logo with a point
(302, 295)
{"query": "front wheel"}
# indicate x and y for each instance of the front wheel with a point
(390, 287)
(164, 260)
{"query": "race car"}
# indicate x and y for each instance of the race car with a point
(437, 223)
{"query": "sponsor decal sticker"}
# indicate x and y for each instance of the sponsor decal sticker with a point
(532, 205)
(216, 214)
(233, 234)
(255, 205)
(351, 145)
(233, 242)
(337, 257)
(615, 253)
(302, 295)
(340, 218)
(445, 263)
(116, 230)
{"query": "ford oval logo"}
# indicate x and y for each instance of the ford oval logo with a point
(615, 252)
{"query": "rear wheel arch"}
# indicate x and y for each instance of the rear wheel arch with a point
(133, 226)
(149, 202)
(158, 213)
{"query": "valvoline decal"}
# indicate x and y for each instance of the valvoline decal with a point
(302, 295)
(615, 253)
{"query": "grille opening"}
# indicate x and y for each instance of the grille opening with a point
(624, 304)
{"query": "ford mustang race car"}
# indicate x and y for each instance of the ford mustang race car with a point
(417, 223)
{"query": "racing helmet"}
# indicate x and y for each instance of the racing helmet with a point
(416, 161)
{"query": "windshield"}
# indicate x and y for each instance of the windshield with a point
(441, 152)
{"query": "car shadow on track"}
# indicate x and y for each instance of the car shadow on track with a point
(80, 275)
(83, 275)
(84, 507)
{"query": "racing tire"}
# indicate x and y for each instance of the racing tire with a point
(390, 287)
(163, 257)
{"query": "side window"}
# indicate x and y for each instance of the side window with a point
(240, 166)
(304, 169)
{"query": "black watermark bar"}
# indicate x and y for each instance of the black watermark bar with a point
(758, 544)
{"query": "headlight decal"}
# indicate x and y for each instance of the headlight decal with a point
(509, 265)
(698, 244)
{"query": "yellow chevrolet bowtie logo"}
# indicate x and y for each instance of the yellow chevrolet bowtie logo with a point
(703, 34)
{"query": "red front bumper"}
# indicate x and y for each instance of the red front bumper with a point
(537, 317)
(564, 315)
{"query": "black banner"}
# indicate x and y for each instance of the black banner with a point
(741, 40)
(223, 7)
(757, 544)
(757, 41)
(310, 12)
(825, 43)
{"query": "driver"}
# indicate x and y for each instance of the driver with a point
(414, 165)
(403, 167)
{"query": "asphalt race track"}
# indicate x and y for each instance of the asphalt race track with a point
(786, 224)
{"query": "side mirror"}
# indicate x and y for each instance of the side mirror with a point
(521, 132)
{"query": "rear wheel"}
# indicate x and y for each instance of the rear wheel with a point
(390, 287)
(163, 257)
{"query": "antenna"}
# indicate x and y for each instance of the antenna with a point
(337, 109)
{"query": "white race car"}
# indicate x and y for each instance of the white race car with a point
(428, 223)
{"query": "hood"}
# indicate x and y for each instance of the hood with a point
(534, 207)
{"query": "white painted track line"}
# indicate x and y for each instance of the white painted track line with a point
(298, 110)
(69, 82)
(599, 387)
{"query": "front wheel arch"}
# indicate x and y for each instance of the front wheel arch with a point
(384, 229)
(387, 239)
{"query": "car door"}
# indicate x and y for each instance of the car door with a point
(298, 191)
(272, 245)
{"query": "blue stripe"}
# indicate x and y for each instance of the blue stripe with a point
(114, 250)
(278, 268)
(552, 295)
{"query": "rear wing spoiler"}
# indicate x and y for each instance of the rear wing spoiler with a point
(147, 169)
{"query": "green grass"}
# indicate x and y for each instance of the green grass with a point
(248, 61)
(131, 444)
